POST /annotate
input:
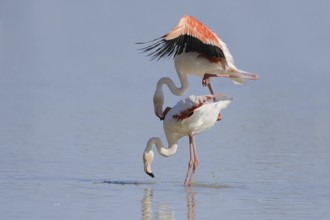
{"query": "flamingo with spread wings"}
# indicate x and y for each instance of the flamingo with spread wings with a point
(188, 117)
(196, 50)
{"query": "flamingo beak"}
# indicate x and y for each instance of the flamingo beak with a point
(159, 112)
(147, 170)
(150, 174)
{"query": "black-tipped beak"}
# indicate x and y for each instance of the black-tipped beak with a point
(150, 174)
(161, 117)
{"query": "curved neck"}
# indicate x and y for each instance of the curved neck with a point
(173, 88)
(158, 98)
(166, 152)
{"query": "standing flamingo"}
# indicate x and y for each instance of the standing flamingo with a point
(196, 50)
(188, 117)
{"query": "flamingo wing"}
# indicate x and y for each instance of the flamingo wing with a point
(185, 108)
(190, 35)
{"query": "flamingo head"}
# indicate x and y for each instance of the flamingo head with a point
(148, 157)
(158, 103)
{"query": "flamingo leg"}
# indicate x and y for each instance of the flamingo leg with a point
(191, 162)
(210, 88)
(206, 81)
(195, 161)
(207, 76)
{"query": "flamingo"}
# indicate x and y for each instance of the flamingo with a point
(196, 50)
(188, 117)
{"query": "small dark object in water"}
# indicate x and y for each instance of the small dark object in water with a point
(125, 182)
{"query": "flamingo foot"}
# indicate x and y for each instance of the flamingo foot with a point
(206, 80)
(219, 117)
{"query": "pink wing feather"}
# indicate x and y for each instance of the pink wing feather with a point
(192, 27)
(190, 35)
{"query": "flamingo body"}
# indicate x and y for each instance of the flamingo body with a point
(194, 64)
(193, 115)
(188, 117)
(196, 50)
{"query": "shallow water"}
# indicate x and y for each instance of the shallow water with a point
(64, 155)
(75, 116)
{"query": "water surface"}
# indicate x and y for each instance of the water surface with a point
(76, 112)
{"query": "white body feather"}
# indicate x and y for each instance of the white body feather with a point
(203, 118)
(188, 117)
(193, 63)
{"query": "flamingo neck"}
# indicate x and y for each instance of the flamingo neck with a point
(179, 91)
(166, 152)
(158, 98)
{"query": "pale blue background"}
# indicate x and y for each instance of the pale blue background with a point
(76, 108)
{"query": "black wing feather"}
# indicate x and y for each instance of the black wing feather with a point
(160, 48)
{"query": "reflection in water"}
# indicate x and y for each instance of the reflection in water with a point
(146, 204)
(164, 210)
(191, 203)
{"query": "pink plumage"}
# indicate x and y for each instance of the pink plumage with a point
(196, 50)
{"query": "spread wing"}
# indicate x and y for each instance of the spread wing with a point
(190, 35)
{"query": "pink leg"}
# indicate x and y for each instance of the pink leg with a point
(195, 161)
(206, 81)
(210, 88)
(191, 162)
(242, 75)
